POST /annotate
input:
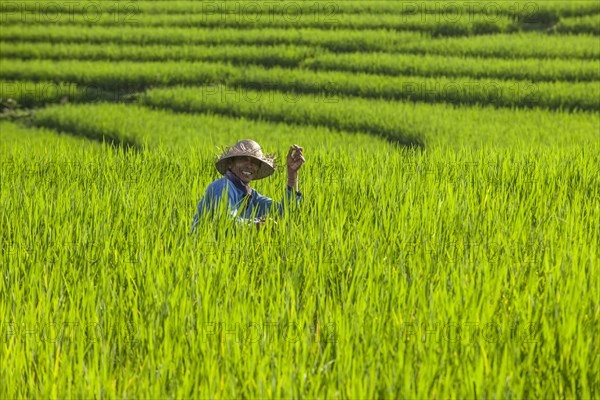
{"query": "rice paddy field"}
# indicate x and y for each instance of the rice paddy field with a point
(446, 244)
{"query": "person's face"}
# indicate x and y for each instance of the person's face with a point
(245, 168)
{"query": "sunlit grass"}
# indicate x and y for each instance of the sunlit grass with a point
(393, 251)
(446, 244)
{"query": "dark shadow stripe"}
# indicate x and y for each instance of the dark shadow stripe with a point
(400, 139)
(97, 136)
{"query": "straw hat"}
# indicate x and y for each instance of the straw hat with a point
(247, 148)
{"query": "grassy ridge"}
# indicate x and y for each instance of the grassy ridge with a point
(317, 59)
(193, 135)
(586, 24)
(452, 25)
(447, 24)
(333, 40)
(438, 65)
(275, 55)
(33, 94)
(344, 40)
(15, 135)
(225, 111)
(136, 76)
(538, 10)
(409, 123)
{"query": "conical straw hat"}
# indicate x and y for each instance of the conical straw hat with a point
(247, 148)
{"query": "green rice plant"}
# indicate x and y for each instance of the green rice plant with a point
(135, 76)
(589, 24)
(335, 40)
(463, 278)
(460, 90)
(452, 25)
(516, 9)
(146, 128)
(406, 122)
(429, 122)
(277, 55)
(15, 135)
(129, 76)
(511, 46)
(441, 65)
(317, 59)
(439, 251)
(529, 44)
(29, 94)
(564, 8)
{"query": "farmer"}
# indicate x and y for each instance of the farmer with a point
(240, 164)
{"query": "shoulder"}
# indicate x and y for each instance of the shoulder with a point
(221, 182)
(218, 185)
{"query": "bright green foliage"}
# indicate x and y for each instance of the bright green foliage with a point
(521, 9)
(409, 123)
(451, 25)
(35, 93)
(446, 245)
(463, 90)
(460, 268)
(181, 133)
(281, 55)
(533, 69)
(531, 44)
(442, 65)
(587, 24)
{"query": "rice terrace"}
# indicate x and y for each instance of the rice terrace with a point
(444, 240)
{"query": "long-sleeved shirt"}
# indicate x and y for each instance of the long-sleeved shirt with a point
(240, 206)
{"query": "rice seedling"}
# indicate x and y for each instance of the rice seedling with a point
(149, 309)
(443, 247)
(517, 9)
(529, 44)
(452, 25)
(460, 90)
(404, 122)
(532, 69)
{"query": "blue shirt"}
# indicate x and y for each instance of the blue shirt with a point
(256, 205)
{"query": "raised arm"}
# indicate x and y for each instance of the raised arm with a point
(295, 159)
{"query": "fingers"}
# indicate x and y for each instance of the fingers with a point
(295, 157)
(297, 151)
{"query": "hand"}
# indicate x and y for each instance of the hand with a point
(260, 221)
(295, 159)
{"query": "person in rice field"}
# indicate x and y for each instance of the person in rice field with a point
(239, 165)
